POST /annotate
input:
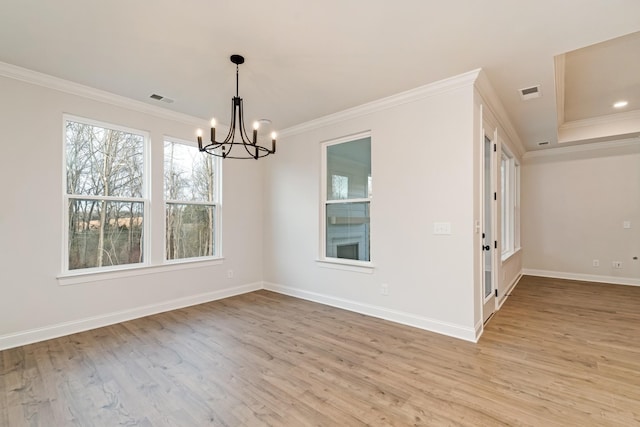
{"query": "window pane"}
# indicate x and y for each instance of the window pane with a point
(190, 231)
(188, 174)
(103, 162)
(348, 231)
(349, 170)
(104, 233)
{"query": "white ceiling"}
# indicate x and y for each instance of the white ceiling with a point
(308, 59)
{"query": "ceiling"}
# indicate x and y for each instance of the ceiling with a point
(307, 59)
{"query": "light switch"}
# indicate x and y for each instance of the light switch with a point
(441, 228)
(626, 224)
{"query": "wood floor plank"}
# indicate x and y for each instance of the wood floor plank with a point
(558, 353)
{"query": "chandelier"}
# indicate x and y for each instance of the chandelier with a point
(250, 147)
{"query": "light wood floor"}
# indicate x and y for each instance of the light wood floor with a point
(558, 353)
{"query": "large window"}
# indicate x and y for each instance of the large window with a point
(347, 199)
(191, 192)
(510, 205)
(106, 195)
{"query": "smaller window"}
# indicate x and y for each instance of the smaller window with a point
(192, 208)
(347, 199)
(510, 203)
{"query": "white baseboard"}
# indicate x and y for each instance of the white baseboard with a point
(432, 325)
(54, 331)
(584, 277)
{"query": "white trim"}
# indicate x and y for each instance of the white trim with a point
(80, 325)
(432, 325)
(421, 92)
(33, 77)
(492, 101)
(582, 147)
(560, 61)
(479, 330)
(628, 116)
(339, 264)
(510, 288)
(82, 276)
(583, 277)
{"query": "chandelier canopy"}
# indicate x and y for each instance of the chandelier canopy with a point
(250, 147)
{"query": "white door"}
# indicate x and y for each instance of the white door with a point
(488, 232)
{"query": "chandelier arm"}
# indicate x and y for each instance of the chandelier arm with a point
(243, 134)
(243, 131)
(232, 125)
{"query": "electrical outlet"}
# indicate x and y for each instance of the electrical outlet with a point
(596, 263)
(229, 274)
(617, 264)
(384, 289)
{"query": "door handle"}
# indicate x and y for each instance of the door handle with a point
(486, 248)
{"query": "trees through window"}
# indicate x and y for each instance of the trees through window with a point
(108, 211)
(105, 195)
(191, 195)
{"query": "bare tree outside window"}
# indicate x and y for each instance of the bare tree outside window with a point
(105, 195)
(191, 202)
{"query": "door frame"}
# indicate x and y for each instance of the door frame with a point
(488, 302)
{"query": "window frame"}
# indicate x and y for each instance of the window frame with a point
(323, 259)
(509, 203)
(145, 199)
(217, 204)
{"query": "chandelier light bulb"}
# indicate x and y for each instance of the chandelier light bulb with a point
(256, 125)
(273, 135)
(199, 133)
(213, 123)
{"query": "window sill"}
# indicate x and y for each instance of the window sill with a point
(508, 255)
(337, 264)
(74, 278)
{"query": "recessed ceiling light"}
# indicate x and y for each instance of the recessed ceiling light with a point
(620, 104)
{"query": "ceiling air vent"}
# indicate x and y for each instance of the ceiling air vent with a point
(543, 143)
(530, 92)
(161, 98)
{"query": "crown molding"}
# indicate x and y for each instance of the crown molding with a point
(592, 146)
(492, 101)
(610, 126)
(36, 78)
(560, 62)
(421, 92)
(633, 115)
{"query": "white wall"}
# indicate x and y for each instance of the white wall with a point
(425, 169)
(574, 202)
(422, 172)
(33, 305)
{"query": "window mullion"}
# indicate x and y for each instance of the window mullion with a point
(363, 200)
(106, 198)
